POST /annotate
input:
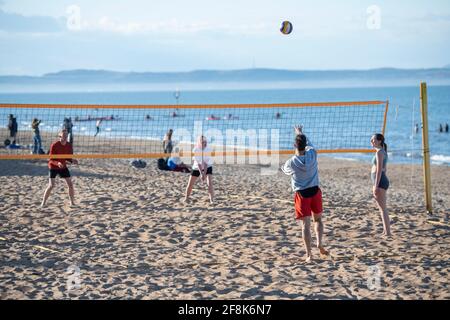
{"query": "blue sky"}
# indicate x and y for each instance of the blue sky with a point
(38, 37)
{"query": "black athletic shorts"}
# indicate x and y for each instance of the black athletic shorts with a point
(196, 173)
(384, 181)
(63, 173)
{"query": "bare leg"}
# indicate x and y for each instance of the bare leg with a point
(48, 190)
(189, 187)
(381, 202)
(71, 191)
(318, 228)
(210, 188)
(306, 234)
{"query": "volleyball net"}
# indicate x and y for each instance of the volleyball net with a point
(138, 131)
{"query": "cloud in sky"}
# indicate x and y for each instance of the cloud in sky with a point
(173, 26)
(179, 35)
(13, 22)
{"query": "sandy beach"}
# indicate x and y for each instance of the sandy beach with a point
(249, 81)
(130, 236)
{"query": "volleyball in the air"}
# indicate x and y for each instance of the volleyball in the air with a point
(286, 27)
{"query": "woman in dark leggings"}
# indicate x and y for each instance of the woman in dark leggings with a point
(380, 181)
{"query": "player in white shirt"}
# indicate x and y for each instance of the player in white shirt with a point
(202, 167)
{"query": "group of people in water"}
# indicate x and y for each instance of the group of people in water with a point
(211, 117)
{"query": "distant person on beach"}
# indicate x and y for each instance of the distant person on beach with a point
(416, 128)
(202, 167)
(380, 181)
(446, 127)
(148, 117)
(303, 169)
(59, 167)
(37, 142)
(213, 117)
(230, 117)
(13, 128)
(97, 127)
(167, 142)
(68, 125)
(174, 114)
(278, 115)
(175, 164)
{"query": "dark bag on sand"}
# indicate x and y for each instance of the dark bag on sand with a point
(182, 169)
(140, 164)
(162, 164)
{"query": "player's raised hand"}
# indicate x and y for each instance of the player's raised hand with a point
(298, 129)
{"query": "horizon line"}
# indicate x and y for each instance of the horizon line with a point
(224, 70)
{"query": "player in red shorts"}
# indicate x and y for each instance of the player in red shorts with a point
(58, 167)
(303, 169)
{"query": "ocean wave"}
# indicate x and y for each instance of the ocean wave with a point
(414, 155)
(440, 158)
(346, 159)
